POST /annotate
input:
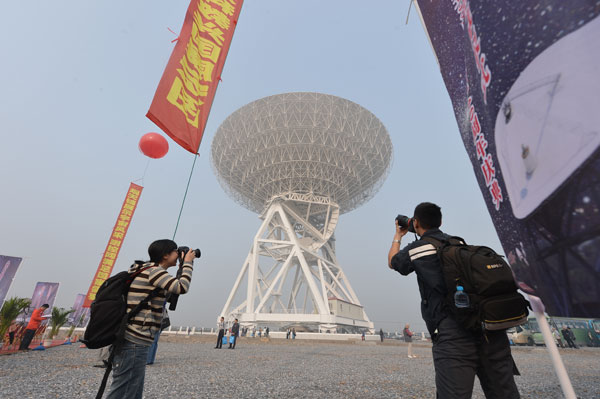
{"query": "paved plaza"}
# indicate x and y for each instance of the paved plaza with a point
(192, 368)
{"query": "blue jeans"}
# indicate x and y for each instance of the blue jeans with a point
(129, 369)
(153, 349)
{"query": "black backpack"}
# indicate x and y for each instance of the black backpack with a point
(494, 303)
(109, 310)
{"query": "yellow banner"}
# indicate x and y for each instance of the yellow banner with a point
(114, 243)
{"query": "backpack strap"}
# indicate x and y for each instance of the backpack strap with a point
(459, 240)
(439, 244)
(139, 270)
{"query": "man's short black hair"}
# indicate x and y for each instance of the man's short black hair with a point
(159, 248)
(429, 215)
(45, 306)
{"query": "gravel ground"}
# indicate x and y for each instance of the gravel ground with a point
(191, 368)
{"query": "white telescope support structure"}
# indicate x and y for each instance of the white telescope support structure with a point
(291, 275)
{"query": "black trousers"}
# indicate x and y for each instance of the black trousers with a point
(235, 337)
(27, 337)
(459, 355)
(220, 339)
(571, 343)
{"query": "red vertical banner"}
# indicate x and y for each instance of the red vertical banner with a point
(187, 88)
(114, 243)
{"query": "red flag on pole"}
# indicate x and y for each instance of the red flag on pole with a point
(187, 88)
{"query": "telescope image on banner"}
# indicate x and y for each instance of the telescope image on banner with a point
(8, 269)
(525, 90)
(81, 315)
(187, 88)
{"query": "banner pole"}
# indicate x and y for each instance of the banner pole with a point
(408, 13)
(425, 29)
(185, 195)
(559, 367)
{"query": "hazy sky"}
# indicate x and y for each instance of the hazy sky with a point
(78, 78)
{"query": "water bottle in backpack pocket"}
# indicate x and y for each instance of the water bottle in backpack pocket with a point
(461, 299)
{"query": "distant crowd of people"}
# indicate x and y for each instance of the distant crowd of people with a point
(565, 334)
(229, 335)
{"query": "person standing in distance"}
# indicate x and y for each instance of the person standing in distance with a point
(34, 323)
(458, 355)
(235, 332)
(129, 364)
(12, 329)
(221, 328)
(567, 335)
(408, 339)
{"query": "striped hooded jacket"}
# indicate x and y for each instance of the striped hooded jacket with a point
(142, 328)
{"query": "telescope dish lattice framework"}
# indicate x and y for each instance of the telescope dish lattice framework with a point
(299, 160)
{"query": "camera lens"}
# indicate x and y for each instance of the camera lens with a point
(402, 221)
(406, 223)
(184, 250)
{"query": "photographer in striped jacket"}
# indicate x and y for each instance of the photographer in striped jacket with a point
(129, 365)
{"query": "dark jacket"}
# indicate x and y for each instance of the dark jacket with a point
(235, 329)
(421, 257)
(407, 335)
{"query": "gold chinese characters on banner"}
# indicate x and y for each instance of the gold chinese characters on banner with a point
(115, 242)
(187, 88)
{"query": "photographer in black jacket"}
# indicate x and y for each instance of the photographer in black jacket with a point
(458, 355)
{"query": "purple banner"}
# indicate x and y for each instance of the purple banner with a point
(523, 80)
(80, 316)
(8, 269)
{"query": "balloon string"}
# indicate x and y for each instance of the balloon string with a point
(145, 170)
(144, 175)
(185, 195)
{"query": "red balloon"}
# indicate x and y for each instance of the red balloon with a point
(154, 145)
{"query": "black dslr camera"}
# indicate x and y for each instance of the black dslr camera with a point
(181, 251)
(406, 223)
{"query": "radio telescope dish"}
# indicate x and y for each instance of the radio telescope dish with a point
(299, 160)
(301, 143)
